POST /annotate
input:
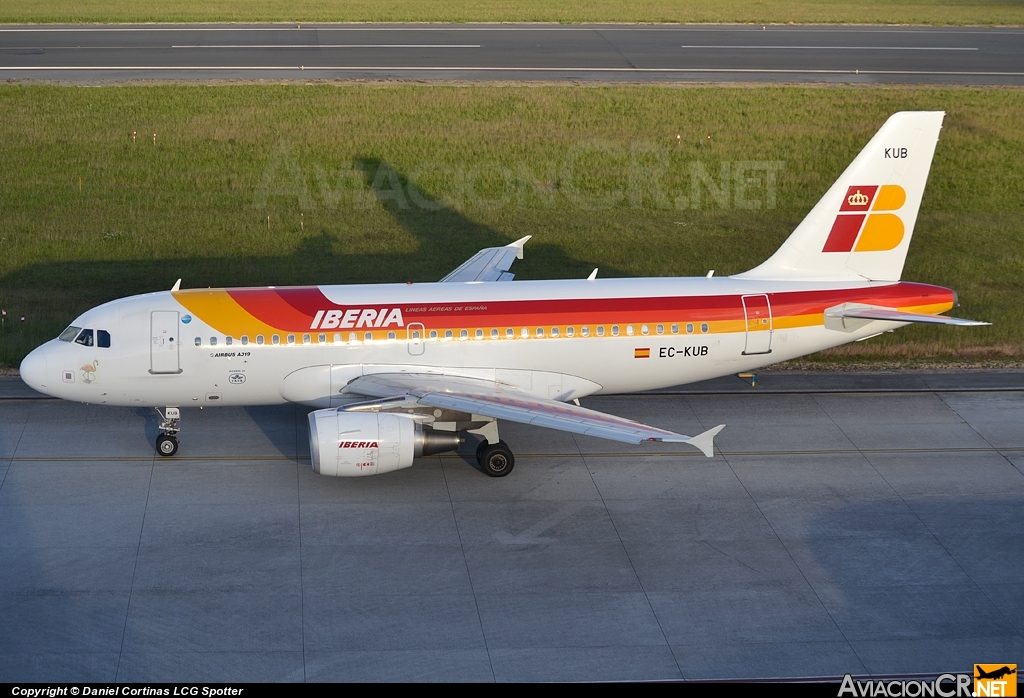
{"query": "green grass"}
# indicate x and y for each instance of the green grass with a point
(757, 11)
(87, 215)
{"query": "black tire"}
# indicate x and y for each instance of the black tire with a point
(497, 459)
(166, 445)
(480, 451)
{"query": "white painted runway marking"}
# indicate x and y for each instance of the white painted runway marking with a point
(327, 46)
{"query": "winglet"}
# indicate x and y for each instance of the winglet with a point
(177, 285)
(706, 440)
(593, 275)
(518, 244)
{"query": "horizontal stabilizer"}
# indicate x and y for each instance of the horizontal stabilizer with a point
(866, 312)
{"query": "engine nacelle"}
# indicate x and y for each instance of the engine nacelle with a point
(354, 444)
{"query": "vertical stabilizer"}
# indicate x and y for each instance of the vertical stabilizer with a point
(861, 228)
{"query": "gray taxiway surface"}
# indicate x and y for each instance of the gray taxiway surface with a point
(835, 532)
(948, 55)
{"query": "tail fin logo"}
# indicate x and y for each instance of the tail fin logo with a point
(861, 225)
(858, 199)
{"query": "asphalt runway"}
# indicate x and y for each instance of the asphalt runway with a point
(661, 53)
(861, 532)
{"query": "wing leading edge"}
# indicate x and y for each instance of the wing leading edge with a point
(500, 402)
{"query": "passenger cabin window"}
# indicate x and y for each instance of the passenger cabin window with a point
(585, 331)
(615, 330)
(479, 334)
(306, 339)
(229, 340)
(600, 331)
(540, 331)
(569, 331)
(245, 339)
(704, 327)
(463, 334)
(554, 331)
(213, 341)
(494, 334)
(629, 330)
(291, 339)
(69, 334)
(259, 339)
(103, 339)
(85, 338)
(199, 341)
(368, 336)
(689, 328)
(276, 339)
(510, 333)
(447, 334)
(433, 334)
(660, 329)
(391, 335)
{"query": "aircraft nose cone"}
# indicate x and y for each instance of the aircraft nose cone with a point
(33, 370)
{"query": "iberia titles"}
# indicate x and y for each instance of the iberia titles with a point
(356, 318)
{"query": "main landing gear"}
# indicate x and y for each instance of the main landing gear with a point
(170, 424)
(496, 459)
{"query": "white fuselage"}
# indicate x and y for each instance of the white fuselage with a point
(629, 346)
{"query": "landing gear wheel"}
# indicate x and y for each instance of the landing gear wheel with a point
(166, 445)
(480, 451)
(496, 459)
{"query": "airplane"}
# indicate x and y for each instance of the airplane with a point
(995, 674)
(400, 371)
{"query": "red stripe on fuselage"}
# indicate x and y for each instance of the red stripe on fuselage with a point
(293, 309)
(288, 309)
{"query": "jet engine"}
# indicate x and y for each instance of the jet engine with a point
(353, 444)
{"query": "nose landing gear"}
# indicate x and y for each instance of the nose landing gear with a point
(170, 424)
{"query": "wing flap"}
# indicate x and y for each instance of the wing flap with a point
(492, 400)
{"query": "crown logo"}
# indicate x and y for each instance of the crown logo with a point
(857, 199)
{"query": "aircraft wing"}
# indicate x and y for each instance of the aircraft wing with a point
(868, 312)
(489, 264)
(493, 400)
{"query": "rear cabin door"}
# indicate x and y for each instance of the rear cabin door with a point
(758, 314)
(164, 342)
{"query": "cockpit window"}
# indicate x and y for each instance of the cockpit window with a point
(69, 334)
(85, 338)
(102, 339)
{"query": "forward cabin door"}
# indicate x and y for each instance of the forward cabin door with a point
(758, 314)
(164, 342)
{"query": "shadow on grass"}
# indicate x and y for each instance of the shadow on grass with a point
(59, 291)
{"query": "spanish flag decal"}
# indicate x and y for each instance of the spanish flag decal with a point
(644, 353)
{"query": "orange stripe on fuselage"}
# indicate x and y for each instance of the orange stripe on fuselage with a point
(724, 313)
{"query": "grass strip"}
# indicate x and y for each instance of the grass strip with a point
(944, 12)
(328, 183)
